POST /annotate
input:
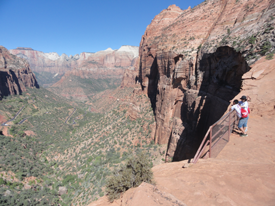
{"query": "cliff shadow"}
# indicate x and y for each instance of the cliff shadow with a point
(218, 80)
(19, 90)
(5, 90)
(153, 84)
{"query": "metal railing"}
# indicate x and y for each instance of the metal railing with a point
(217, 136)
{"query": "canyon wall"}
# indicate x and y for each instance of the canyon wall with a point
(15, 74)
(192, 62)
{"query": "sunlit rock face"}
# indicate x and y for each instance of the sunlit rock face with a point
(15, 74)
(192, 62)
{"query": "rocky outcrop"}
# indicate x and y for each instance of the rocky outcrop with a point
(192, 62)
(15, 74)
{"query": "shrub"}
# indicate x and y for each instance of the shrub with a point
(252, 40)
(136, 171)
(2, 181)
(269, 56)
(69, 178)
(265, 48)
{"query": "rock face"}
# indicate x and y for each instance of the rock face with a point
(15, 74)
(52, 62)
(129, 78)
(192, 62)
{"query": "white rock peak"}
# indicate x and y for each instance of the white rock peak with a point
(109, 49)
(131, 49)
(52, 56)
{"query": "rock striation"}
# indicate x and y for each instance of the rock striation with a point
(191, 64)
(15, 74)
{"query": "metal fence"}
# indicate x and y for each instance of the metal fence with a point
(217, 136)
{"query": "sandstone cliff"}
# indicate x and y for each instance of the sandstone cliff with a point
(192, 62)
(15, 74)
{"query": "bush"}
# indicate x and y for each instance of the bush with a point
(69, 178)
(252, 40)
(2, 181)
(136, 171)
(265, 48)
(269, 56)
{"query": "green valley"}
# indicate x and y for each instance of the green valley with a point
(62, 152)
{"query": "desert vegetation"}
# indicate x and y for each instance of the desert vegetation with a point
(132, 174)
(77, 158)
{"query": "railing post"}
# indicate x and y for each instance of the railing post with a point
(229, 126)
(210, 143)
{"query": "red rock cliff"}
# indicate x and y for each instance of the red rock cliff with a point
(15, 74)
(192, 62)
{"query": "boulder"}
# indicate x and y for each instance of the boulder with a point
(62, 190)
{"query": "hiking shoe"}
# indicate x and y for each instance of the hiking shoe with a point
(244, 135)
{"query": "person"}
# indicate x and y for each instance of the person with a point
(236, 107)
(243, 103)
(243, 121)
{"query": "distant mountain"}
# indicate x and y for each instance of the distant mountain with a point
(52, 63)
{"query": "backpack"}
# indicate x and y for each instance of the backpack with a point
(244, 113)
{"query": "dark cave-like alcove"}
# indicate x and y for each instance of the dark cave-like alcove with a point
(218, 80)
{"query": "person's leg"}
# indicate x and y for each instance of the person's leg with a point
(245, 125)
(242, 125)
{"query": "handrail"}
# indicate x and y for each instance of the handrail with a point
(202, 143)
(209, 137)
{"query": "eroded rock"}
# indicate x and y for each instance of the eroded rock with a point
(15, 74)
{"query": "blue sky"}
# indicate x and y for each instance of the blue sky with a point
(72, 27)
